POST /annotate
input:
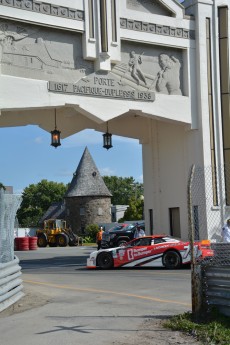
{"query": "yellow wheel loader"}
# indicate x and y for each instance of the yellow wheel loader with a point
(55, 233)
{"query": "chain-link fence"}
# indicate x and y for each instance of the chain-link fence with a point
(10, 271)
(9, 204)
(208, 212)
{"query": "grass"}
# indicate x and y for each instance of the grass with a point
(214, 331)
(89, 244)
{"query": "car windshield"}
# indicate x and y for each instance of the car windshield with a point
(128, 227)
(121, 227)
(117, 227)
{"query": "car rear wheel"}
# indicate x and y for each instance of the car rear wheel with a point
(171, 259)
(105, 261)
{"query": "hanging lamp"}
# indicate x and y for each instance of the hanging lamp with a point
(107, 139)
(55, 134)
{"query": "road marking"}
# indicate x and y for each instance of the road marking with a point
(107, 292)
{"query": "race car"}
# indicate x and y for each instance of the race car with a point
(150, 251)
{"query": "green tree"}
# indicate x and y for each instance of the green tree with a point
(135, 210)
(123, 189)
(2, 186)
(36, 199)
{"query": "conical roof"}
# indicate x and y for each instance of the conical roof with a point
(87, 180)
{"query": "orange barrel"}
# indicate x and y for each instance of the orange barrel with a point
(23, 243)
(16, 240)
(33, 243)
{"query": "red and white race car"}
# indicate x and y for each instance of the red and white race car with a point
(150, 251)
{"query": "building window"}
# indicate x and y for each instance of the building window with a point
(211, 117)
(114, 24)
(103, 26)
(174, 219)
(82, 211)
(91, 19)
(100, 211)
(113, 217)
(225, 92)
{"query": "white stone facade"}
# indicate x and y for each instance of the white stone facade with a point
(142, 67)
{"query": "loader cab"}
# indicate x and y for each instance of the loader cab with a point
(54, 224)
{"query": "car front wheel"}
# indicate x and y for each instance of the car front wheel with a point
(105, 261)
(171, 260)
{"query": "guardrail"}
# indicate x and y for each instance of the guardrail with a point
(10, 283)
(217, 287)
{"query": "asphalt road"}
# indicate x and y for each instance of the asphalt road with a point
(91, 306)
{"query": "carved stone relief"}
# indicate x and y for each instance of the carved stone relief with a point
(156, 29)
(37, 52)
(149, 6)
(56, 56)
(151, 68)
(45, 8)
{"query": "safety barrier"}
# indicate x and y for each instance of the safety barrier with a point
(217, 287)
(25, 243)
(10, 283)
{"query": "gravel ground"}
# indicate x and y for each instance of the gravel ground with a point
(151, 331)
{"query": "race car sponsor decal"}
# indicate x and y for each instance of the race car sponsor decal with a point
(121, 253)
(151, 261)
(130, 255)
(187, 251)
(166, 245)
(134, 253)
(145, 261)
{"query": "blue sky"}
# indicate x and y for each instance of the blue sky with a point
(27, 157)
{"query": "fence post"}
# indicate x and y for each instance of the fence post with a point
(190, 213)
(195, 269)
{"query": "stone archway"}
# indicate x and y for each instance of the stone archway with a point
(114, 70)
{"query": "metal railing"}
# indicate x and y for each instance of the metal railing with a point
(10, 283)
(207, 213)
(10, 271)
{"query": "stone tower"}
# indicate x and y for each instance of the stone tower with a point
(88, 200)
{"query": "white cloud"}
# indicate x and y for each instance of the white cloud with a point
(107, 172)
(140, 179)
(38, 140)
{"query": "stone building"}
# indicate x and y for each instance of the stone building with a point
(88, 200)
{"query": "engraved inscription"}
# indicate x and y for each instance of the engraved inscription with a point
(101, 87)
